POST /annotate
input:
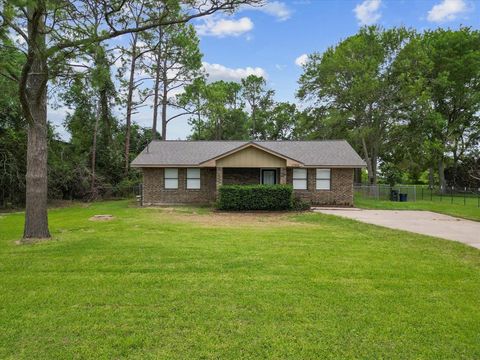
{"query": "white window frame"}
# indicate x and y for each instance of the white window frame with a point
(297, 177)
(322, 176)
(194, 179)
(168, 176)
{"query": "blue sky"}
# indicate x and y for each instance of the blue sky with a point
(271, 40)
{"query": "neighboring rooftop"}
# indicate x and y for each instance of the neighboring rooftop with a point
(192, 153)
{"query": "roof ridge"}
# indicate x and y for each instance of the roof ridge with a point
(246, 141)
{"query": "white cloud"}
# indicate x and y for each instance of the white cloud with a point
(447, 10)
(220, 72)
(277, 9)
(301, 60)
(367, 12)
(221, 27)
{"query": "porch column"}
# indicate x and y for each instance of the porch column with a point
(219, 178)
(283, 175)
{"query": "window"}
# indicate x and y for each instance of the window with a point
(323, 179)
(193, 178)
(171, 178)
(269, 177)
(300, 179)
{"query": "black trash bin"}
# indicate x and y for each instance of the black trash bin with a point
(393, 195)
(402, 197)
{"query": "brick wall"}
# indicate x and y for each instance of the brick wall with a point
(340, 193)
(154, 191)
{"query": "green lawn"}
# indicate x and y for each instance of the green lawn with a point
(188, 284)
(445, 206)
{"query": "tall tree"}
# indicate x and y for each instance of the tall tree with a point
(176, 62)
(281, 121)
(354, 83)
(133, 55)
(70, 29)
(12, 132)
(441, 82)
(217, 109)
(259, 98)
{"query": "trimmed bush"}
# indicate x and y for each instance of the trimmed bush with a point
(255, 197)
(300, 205)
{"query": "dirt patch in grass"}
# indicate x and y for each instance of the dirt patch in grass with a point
(229, 219)
(31, 241)
(101, 218)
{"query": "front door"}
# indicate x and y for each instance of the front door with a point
(269, 177)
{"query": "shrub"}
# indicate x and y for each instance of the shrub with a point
(255, 197)
(125, 188)
(300, 204)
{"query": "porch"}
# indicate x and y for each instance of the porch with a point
(250, 175)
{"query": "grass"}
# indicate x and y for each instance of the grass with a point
(187, 283)
(469, 211)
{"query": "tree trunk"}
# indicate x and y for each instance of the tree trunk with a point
(374, 160)
(368, 161)
(441, 175)
(254, 121)
(105, 117)
(130, 103)
(430, 177)
(34, 106)
(199, 117)
(93, 191)
(164, 113)
(157, 88)
(164, 99)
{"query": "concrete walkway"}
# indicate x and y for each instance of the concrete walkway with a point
(422, 222)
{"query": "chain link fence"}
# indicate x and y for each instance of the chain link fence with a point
(453, 195)
(138, 193)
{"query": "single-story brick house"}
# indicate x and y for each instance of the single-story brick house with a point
(179, 172)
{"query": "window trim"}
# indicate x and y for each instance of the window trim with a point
(199, 178)
(297, 178)
(165, 178)
(323, 179)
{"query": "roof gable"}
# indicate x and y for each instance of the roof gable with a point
(267, 155)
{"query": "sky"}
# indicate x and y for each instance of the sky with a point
(274, 40)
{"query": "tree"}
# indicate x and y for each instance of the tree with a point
(441, 81)
(134, 53)
(260, 100)
(91, 96)
(217, 109)
(72, 27)
(280, 122)
(353, 83)
(176, 62)
(13, 137)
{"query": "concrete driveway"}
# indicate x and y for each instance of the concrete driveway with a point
(422, 222)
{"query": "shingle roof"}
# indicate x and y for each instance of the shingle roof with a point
(191, 153)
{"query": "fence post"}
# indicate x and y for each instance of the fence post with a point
(441, 193)
(451, 196)
(415, 193)
(465, 196)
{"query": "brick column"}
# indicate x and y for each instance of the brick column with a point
(219, 178)
(283, 175)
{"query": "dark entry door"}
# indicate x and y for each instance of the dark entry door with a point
(269, 177)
